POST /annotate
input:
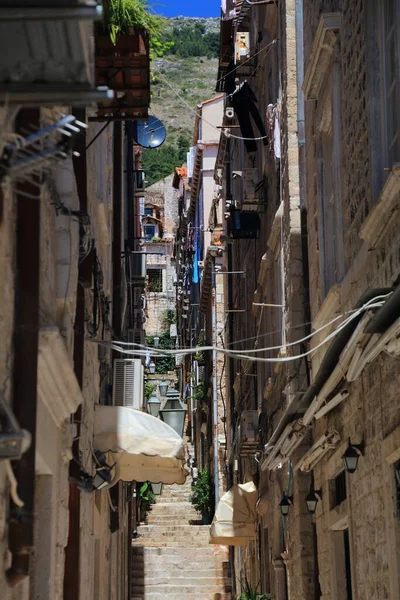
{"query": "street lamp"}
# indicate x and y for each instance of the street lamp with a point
(351, 456)
(152, 367)
(174, 412)
(163, 387)
(103, 474)
(312, 499)
(153, 405)
(156, 341)
(285, 504)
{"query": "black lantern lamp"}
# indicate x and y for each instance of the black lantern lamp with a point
(312, 499)
(174, 412)
(351, 456)
(153, 405)
(285, 504)
(152, 367)
(103, 474)
(163, 387)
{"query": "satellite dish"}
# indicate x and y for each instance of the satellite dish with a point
(149, 133)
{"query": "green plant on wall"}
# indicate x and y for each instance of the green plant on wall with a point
(122, 15)
(199, 392)
(250, 593)
(202, 495)
(146, 496)
(168, 318)
(164, 364)
(149, 389)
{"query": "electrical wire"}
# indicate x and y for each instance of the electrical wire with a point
(195, 111)
(373, 303)
(144, 350)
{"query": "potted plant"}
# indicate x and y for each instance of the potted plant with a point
(249, 593)
(201, 497)
(146, 498)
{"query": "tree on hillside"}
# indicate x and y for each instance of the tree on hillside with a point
(160, 162)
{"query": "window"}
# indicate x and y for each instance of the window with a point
(397, 486)
(391, 59)
(330, 217)
(149, 232)
(155, 280)
(338, 489)
(342, 565)
(148, 211)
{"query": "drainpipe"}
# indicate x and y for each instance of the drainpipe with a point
(215, 383)
(302, 164)
(72, 551)
(26, 338)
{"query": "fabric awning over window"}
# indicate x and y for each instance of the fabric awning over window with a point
(144, 448)
(234, 523)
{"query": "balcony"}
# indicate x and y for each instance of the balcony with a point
(125, 69)
(47, 54)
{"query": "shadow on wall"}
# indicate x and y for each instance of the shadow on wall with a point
(137, 566)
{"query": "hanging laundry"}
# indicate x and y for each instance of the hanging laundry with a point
(196, 258)
(244, 102)
(269, 114)
(277, 135)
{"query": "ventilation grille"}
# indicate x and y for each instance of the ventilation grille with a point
(128, 383)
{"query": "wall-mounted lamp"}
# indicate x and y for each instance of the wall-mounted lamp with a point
(103, 474)
(351, 456)
(285, 504)
(152, 367)
(153, 405)
(312, 499)
(163, 387)
(156, 341)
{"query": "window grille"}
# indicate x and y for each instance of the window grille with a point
(339, 489)
(397, 486)
(155, 280)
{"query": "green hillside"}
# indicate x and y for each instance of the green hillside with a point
(190, 70)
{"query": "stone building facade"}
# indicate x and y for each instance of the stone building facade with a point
(57, 252)
(321, 249)
(201, 302)
(161, 212)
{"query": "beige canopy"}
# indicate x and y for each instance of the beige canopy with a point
(234, 523)
(144, 448)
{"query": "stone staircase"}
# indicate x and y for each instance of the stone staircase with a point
(172, 559)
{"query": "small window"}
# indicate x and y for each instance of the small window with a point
(149, 232)
(339, 490)
(391, 19)
(155, 280)
(397, 486)
(148, 211)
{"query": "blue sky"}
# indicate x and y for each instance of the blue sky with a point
(187, 8)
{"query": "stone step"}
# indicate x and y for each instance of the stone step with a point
(220, 551)
(184, 528)
(166, 596)
(173, 590)
(171, 579)
(210, 568)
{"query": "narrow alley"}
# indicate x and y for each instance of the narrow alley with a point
(172, 558)
(199, 300)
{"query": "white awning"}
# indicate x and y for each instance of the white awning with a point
(234, 523)
(144, 448)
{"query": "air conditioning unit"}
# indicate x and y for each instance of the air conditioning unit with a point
(128, 383)
(140, 184)
(137, 336)
(248, 433)
(136, 266)
(250, 183)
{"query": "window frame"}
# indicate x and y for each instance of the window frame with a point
(329, 175)
(146, 236)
